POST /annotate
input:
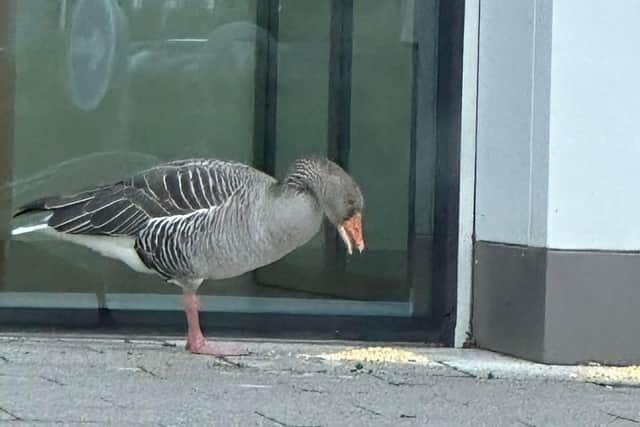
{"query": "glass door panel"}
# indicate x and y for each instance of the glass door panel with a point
(104, 88)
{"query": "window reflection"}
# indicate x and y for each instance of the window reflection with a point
(105, 88)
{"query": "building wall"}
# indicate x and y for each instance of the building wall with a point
(558, 132)
(594, 151)
(558, 153)
(512, 133)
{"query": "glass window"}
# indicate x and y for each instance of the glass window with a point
(105, 88)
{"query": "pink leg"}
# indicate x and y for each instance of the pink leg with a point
(196, 342)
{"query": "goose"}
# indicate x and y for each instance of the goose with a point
(196, 219)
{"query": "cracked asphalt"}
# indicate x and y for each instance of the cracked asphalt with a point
(69, 380)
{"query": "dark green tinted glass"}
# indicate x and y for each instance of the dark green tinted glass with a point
(104, 88)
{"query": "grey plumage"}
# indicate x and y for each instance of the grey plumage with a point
(194, 219)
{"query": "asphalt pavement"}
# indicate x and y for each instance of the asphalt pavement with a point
(74, 380)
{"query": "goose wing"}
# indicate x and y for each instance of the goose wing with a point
(124, 208)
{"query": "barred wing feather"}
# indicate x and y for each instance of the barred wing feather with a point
(125, 208)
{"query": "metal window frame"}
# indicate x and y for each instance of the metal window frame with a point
(466, 218)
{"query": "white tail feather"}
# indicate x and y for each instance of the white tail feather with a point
(28, 229)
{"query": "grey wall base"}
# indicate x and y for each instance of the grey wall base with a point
(556, 306)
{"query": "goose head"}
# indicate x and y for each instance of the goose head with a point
(337, 194)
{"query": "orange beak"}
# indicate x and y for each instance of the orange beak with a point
(351, 233)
